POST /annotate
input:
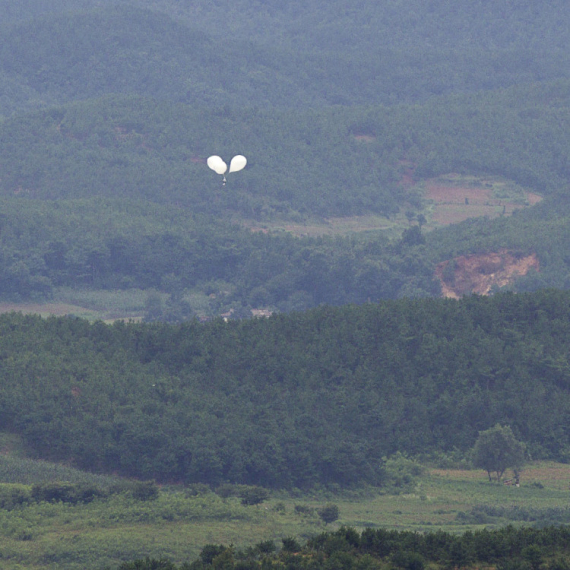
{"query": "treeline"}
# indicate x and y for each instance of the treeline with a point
(506, 549)
(17, 496)
(307, 399)
(520, 24)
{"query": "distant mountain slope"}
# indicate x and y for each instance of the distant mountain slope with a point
(350, 24)
(62, 56)
(370, 25)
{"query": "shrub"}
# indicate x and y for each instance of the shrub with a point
(329, 513)
(290, 544)
(197, 489)
(12, 496)
(304, 510)
(228, 490)
(253, 495)
(266, 547)
(280, 507)
(210, 551)
(401, 473)
(65, 492)
(144, 490)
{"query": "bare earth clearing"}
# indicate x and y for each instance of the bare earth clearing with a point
(480, 273)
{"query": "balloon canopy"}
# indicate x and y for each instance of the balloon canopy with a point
(238, 163)
(217, 164)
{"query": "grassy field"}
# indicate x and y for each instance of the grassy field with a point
(178, 524)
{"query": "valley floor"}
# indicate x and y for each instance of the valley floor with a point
(177, 525)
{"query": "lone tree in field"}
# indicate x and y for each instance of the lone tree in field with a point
(497, 449)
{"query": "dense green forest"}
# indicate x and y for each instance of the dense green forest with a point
(110, 111)
(112, 244)
(314, 398)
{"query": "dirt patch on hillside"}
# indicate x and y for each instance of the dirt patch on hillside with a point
(479, 273)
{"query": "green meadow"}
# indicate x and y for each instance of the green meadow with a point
(181, 520)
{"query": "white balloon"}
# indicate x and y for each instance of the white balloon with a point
(238, 163)
(217, 164)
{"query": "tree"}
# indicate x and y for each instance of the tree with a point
(290, 544)
(329, 513)
(497, 449)
(253, 495)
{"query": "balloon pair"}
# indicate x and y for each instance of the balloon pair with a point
(215, 162)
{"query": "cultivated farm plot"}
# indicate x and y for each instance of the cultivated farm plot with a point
(330, 226)
(454, 198)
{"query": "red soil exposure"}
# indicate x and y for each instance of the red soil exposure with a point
(479, 273)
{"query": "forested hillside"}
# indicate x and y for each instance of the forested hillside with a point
(314, 398)
(304, 164)
(115, 100)
(109, 110)
(111, 244)
(311, 162)
(270, 55)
